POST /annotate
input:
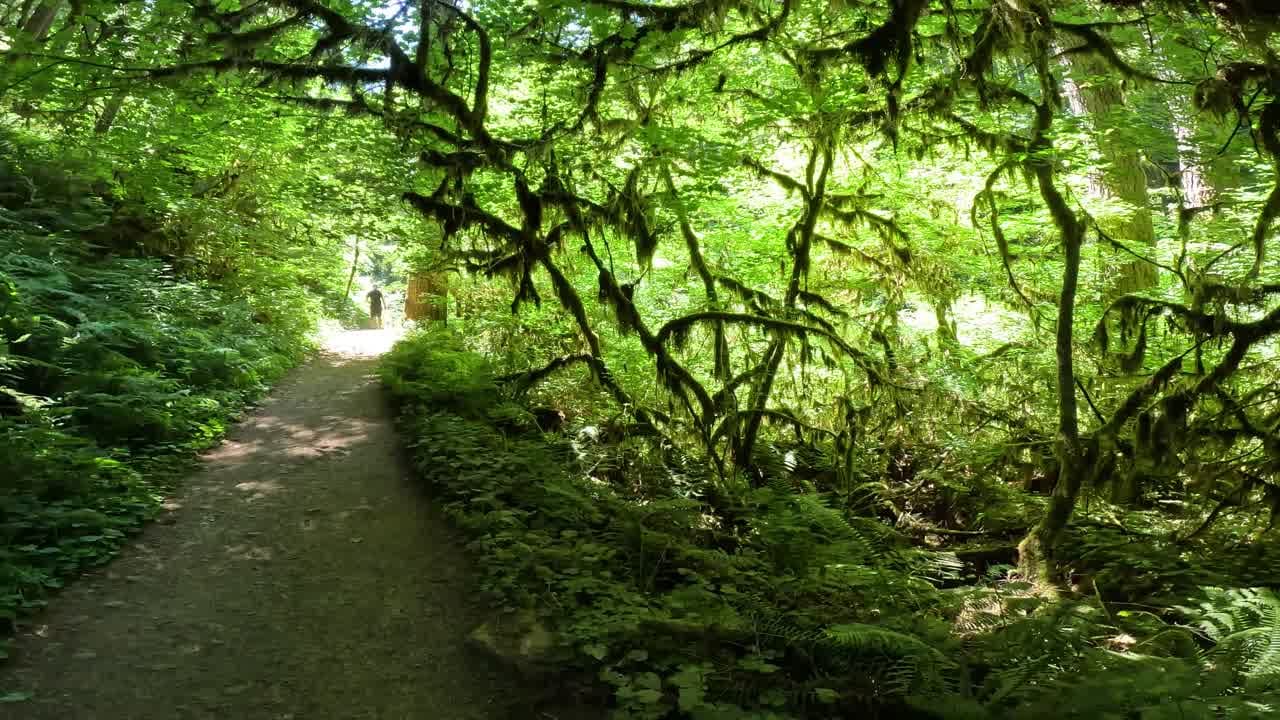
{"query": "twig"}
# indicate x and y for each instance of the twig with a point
(1089, 399)
(30, 75)
(1121, 246)
(1239, 122)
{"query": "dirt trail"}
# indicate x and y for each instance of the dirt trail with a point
(300, 574)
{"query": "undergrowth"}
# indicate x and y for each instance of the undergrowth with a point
(114, 370)
(784, 606)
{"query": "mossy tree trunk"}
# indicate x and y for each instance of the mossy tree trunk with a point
(1093, 92)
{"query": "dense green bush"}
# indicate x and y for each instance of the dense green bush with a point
(64, 504)
(112, 370)
(791, 608)
(669, 607)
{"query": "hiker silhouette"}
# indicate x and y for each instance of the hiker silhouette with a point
(375, 306)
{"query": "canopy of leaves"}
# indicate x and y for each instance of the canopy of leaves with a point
(963, 271)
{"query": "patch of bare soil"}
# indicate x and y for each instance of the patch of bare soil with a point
(299, 574)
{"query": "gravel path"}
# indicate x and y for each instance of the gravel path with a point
(300, 574)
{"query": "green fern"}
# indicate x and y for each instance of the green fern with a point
(872, 639)
(1244, 625)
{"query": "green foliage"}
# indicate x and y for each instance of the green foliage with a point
(636, 588)
(113, 370)
(457, 382)
(1222, 666)
(1244, 625)
(849, 297)
(804, 610)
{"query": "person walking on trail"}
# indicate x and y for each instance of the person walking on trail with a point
(375, 307)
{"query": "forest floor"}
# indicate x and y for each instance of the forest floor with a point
(299, 574)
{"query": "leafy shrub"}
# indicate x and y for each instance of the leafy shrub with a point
(800, 610)
(642, 592)
(64, 505)
(112, 370)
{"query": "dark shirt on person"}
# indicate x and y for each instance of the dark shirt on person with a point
(375, 302)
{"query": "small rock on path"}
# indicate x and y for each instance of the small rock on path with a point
(301, 574)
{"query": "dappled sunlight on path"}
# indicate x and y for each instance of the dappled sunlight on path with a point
(298, 574)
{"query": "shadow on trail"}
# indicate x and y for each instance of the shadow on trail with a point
(298, 574)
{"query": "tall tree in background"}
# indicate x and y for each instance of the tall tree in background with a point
(1099, 98)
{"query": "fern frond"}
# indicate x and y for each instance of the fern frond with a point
(871, 639)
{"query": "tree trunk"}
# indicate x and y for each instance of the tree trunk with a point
(109, 113)
(1196, 190)
(821, 158)
(759, 401)
(355, 263)
(1121, 177)
(946, 324)
(1093, 94)
(1036, 549)
(41, 20)
(427, 296)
